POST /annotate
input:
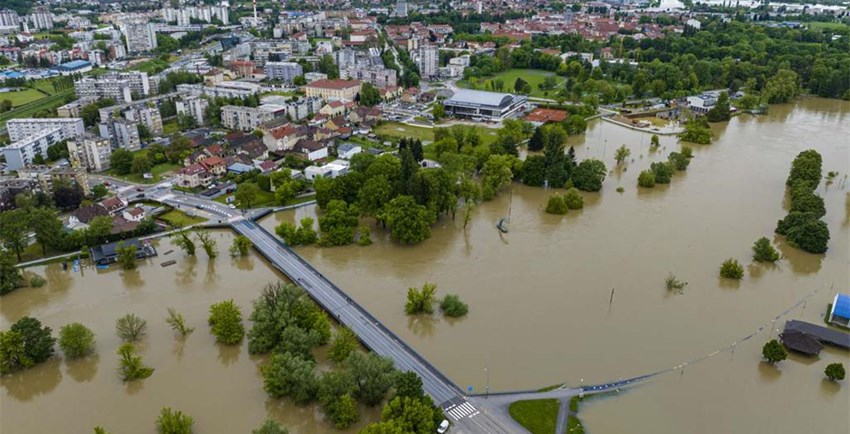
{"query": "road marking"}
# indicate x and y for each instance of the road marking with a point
(462, 411)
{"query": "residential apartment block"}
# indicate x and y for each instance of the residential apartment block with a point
(249, 118)
(119, 86)
(227, 89)
(22, 153)
(380, 77)
(90, 152)
(284, 71)
(427, 59)
(140, 35)
(21, 128)
(193, 106)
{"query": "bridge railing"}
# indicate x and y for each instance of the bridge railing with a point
(359, 308)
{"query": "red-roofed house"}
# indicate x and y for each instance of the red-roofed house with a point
(214, 165)
(542, 116)
(113, 204)
(194, 176)
(281, 138)
(333, 108)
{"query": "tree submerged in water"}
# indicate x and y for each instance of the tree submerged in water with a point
(674, 284)
(421, 301)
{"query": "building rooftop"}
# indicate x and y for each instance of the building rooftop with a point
(480, 97)
(334, 84)
(841, 307)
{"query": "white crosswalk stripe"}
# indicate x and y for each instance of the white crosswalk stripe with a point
(461, 411)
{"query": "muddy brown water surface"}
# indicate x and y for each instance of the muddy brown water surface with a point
(538, 297)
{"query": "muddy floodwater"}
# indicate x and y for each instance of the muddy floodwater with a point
(538, 296)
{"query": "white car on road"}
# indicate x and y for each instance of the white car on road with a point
(444, 426)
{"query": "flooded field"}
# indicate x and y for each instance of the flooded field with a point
(538, 296)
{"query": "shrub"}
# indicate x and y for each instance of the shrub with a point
(37, 281)
(763, 251)
(574, 199)
(662, 171)
(646, 179)
(76, 340)
(344, 342)
(177, 323)
(811, 236)
(731, 269)
(774, 352)
(421, 301)
(452, 306)
(174, 422)
(130, 327)
(807, 166)
(672, 282)
(226, 322)
(270, 427)
(679, 161)
(557, 205)
(131, 367)
(834, 371)
(687, 151)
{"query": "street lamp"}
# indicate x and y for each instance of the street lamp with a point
(487, 387)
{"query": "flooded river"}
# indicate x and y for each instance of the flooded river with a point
(538, 296)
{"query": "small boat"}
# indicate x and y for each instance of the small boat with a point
(167, 263)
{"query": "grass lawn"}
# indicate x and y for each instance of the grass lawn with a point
(395, 129)
(157, 171)
(151, 66)
(264, 198)
(532, 76)
(180, 219)
(46, 103)
(574, 425)
(828, 26)
(170, 127)
(538, 416)
(22, 97)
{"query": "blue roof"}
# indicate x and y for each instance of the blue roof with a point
(842, 306)
(240, 168)
(74, 64)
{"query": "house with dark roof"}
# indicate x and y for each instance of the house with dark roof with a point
(800, 342)
(80, 218)
(108, 253)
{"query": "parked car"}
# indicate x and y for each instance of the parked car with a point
(444, 426)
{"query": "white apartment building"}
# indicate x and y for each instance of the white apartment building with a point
(9, 18)
(147, 116)
(20, 128)
(380, 77)
(104, 87)
(90, 152)
(126, 134)
(427, 59)
(40, 18)
(21, 153)
(248, 118)
(228, 89)
(284, 71)
(140, 35)
(194, 106)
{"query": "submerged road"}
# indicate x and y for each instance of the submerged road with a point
(374, 335)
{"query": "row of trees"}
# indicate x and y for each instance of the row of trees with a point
(661, 172)
(803, 227)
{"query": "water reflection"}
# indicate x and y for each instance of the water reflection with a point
(211, 277)
(84, 369)
(769, 372)
(132, 279)
(228, 354)
(421, 325)
(186, 272)
(30, 383)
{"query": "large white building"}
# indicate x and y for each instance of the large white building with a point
(194, 106)
(427, 59)
(140, 35)
(9, 18)
(379, 76)
(284, 71)
(227, 89)
(40, 18)
(20, 128)
(249, 118)
(22, 153)
(104, 87)
(483, 105)
(205, 13)
(90, 152)
(119, 86)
